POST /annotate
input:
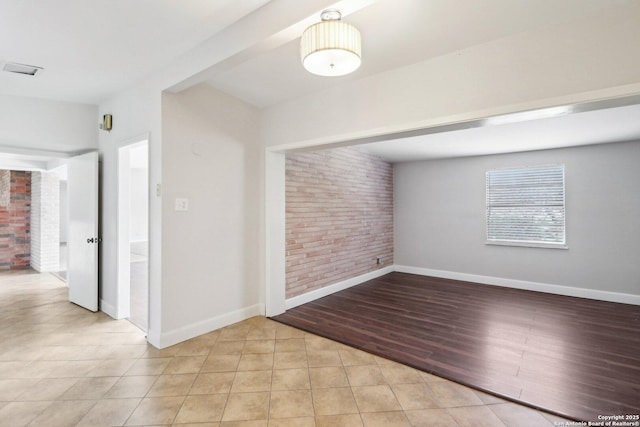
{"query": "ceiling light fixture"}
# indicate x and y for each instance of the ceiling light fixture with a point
(523, 116)
(331, 47)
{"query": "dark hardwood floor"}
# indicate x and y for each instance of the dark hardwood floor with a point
(574, 357)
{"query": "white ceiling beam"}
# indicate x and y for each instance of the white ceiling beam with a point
(275, 24)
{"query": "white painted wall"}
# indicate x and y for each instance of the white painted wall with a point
(439, 219)
(45, 221)
(136, 114)
(139, 207)
(30, 123)
(530, 70)
(139, 193)
(211, 154)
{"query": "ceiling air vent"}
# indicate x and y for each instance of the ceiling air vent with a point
(28, 70)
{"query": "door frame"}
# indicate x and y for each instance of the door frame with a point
(122, 225)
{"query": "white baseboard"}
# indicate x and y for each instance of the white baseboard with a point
(184, 333)
(190, 331)
(153, 338)
(522, 284)
(108, 309)
(331, 289)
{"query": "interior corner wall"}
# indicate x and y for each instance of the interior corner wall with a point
(211, 157)
(440, 219)
(137, 112)
(136, 117)
(339, 217)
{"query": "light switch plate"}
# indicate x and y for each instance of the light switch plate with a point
(182, 204)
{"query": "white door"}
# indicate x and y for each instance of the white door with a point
(82, 243)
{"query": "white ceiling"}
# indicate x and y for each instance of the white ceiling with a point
(397, 33)
(592, 127)
(91, 49)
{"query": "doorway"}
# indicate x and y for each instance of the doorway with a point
(133, 231)
(61, 174)
(33, 217)
(37, 189)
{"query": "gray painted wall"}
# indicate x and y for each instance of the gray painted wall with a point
(439, 219)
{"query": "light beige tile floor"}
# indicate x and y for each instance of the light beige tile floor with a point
(61, 365)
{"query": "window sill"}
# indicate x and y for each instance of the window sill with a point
(527, 244)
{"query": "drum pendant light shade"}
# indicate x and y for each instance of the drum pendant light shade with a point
(331, 47)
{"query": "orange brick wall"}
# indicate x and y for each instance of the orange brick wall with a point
(15, 218)
(339, 217)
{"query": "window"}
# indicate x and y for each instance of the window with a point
(525, 207)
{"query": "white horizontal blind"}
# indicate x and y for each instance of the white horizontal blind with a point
(526, 206)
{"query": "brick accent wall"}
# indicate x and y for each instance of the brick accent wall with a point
(45, 222)
(339, 217)
(15, 213)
